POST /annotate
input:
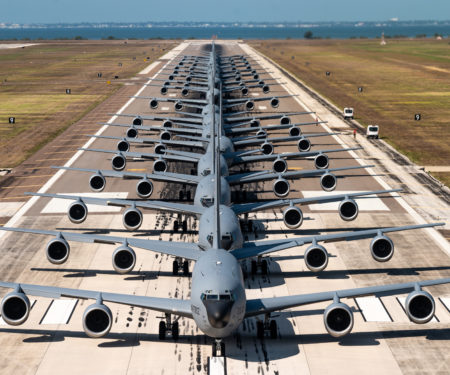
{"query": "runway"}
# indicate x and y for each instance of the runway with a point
(383, 339)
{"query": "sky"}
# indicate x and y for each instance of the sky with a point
(73, 11)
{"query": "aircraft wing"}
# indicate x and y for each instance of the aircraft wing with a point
(143, 155)
(253, 249)
(266, 305)
(240, 130)
(261, 206)
(162, 118)
(198, 143)
(252, 140)
(249, 177)
(178, 249)
(243, 100)
(231, 117)
(179, 208)
(173, 100)
(189, 130)
(166, 305)
(166, 177)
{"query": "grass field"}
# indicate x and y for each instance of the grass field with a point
(399, 80)
(33, 83)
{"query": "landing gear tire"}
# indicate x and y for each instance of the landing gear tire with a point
(175, 226)
(186, 268)
(273, 329)
(188, 195)
(222, 349)
(175, 331)
(264, 267)
(254, 267)
(184, 224)
(181, 195)
(162, 330)
(250, 226)
(260, 330)
(175, 267)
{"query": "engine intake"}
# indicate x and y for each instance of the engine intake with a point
(164, 90)
(420, 306)
(348, 209)
(118, 162)
(144, 188)
(154, 103)
(249, 105)
(274, 102)
(165, 135)
(132, 218)
(382, 248)
(316, 258)
(338, 319)
(167, 124)
(178, 106)
(328, 182)
(304, 145)
(279, 165)
(160, 148)
(294, 131)
(57, 250)
(261, 133)
(123, 259)
(137, 121)
(123, 145)
(254, 123)
(266, 89)
(97, 320)
(185, 92)
(321, 161)
(132, 133)
(285, 120)
(281, 187)
(97, 182)
(77, 212)
(159, 165)
(267, 148)
(15, 308)
(244, 91)
(293, 217)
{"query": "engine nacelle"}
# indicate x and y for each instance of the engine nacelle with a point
(285, 120)
(77, 212)
(348, 209)
(160, 148)
(267, 148)
(328, 182)
(165, 135)
(185, 92)
(57, 250)
(316, 258)
(171, 77)
(256, 76)
(97, 320)
(15, 308)
(167, 124)
(164, 90)
(159, 165)
(261, 133)
(244, 91)
(137, 121)
(123, 145)
(304, 145)
(249, 105)
(118, 162)
(294, 131)
(254, 123)
(274, 102)
(178, 106)
(97, 182)
(279, 165)
(153, 103)
(266, 89)
(123, 259)
(144, 188)
(321, 161)
(281, 187)
(188, 79)
(293, 217)
(132, 133)
(132, 218)
(382, 248)
(338, 319)
(420, 306)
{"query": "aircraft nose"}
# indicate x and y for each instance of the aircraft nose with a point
(219, 312)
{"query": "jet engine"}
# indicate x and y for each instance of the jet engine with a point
(348, 209)
(244, 91)
(118, 162)
(419, 306)
(77, 212)
(132, 218)
(249, 105)
(57, 250)
(254, 123)
(97, 182)
(154, 103)
(316, 258)
(328, 182)
(267, 148)
(185, 92)
(160, 148)
(137, 121)
(281, 187)
(279, 165)
(274, 102)
(285, 120)
(304, 144)
(159, 165)
(338, 319)
(15, 308)
(178, 106)
(165, 135)
(293, 217)
(123, 145)
(294, 131)
(97, 320)
(321, 161)
(132, 132)
(144, 188)
(265, 89)
(164, 90)
(123, 259)
(261, 133)
(382, 248)
(167, 124)
(255, 76)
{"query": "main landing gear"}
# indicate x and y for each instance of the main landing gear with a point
(180, 264)
(218, 348)
(180, 223)
(260, 263)
(268, 326)
(168, 327)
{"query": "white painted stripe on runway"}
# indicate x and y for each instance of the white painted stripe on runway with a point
(59, 311)
(402, 301)
(446, 302)
(262, 107)
(164, 108)
(172, 95)
(58, 206)
(3, 323)
(372, 309)
(255, 93)
(364, 204)
(58, 174)
(414, 214)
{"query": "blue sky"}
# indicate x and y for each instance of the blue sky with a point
(54, 11)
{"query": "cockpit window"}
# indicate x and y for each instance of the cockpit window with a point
(207, 201)
(216, 297)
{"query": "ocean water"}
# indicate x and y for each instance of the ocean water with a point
(269, 32)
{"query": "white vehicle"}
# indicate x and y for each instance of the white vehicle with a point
(348, 113)
(372, 131)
